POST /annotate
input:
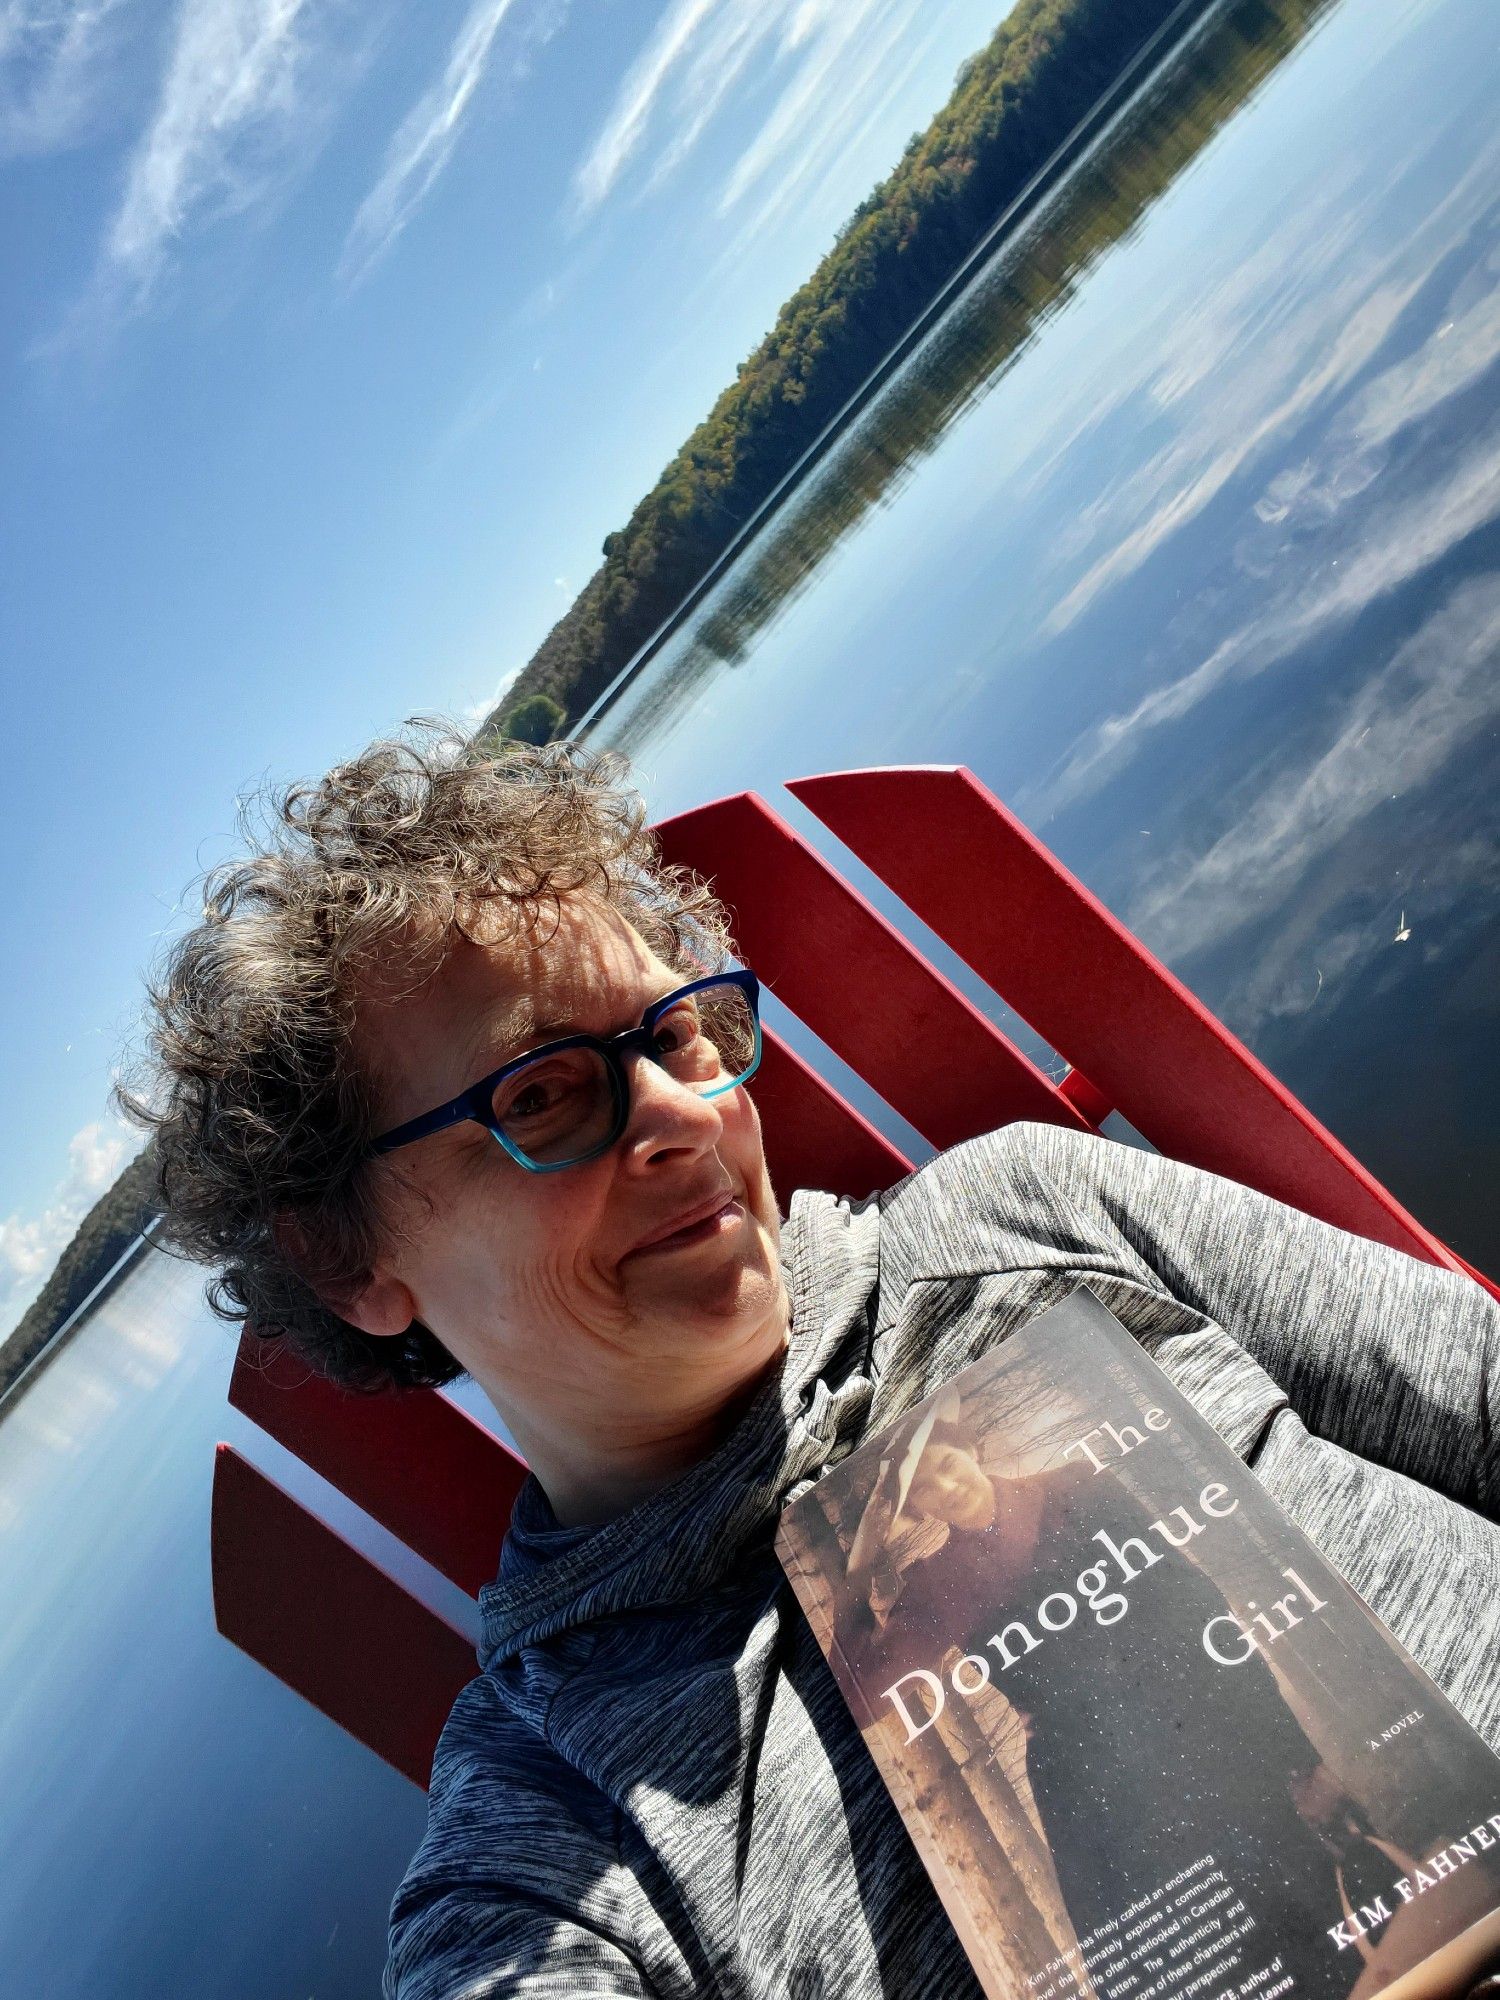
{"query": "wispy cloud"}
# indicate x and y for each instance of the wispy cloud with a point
(53, 59)
(1234, 385)
(1183, 491)
(31, 1244)
(819, 59)
(243, 100)
(624, 130)
(1381, 552)
(423, 142)
(148, 1334)
(842, 93)
(228, 101)
(827, 37)
(1358, 497)
(1462, 350)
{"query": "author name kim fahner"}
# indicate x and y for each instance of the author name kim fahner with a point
(1435, 1869)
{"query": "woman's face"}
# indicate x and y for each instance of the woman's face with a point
(950, 1484)
(542, 1285)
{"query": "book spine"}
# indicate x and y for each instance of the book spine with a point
(950, 1890)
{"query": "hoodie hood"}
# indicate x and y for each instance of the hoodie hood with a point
(686, 1539)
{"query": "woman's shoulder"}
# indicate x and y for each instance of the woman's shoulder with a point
(1022, 1197)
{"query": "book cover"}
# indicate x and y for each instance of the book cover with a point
(1147, 1742)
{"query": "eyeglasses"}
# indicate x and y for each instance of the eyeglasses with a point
(569, 1100)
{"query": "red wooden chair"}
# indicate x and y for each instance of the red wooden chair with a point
(331, 1623)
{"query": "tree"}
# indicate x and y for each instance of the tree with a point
(536, 720)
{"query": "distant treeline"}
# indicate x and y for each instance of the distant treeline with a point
(1099, 205)
(1042, 72)
(103, 1237)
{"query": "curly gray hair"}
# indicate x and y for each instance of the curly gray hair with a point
(261, 1114)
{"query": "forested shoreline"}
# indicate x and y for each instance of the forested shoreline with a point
(1014, 103)
(1003, 307)
(102, 1238)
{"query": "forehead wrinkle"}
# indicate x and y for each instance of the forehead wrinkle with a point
(605, 952)
(519, 1032)
(496, 1039)
(519, 1028)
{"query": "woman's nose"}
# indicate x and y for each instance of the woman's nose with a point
(666, 1113)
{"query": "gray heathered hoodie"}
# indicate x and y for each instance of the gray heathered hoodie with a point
(654, 1787)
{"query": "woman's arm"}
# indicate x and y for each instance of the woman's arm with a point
(518, 1888)
(1390, 1358)
(466, 1943)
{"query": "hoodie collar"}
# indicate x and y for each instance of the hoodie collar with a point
(684, 1539)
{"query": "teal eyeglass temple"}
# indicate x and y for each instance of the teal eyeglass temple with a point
(477, 1102)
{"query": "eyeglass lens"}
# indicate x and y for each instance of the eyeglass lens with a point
(566, 1105)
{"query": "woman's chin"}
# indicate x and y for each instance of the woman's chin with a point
(720, 1304)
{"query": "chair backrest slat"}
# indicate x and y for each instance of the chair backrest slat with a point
(855, 981)
(330, 1623)
(1052, 950)
(423, 1467)
(813, 1137)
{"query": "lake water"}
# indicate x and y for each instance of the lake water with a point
(1183, 532)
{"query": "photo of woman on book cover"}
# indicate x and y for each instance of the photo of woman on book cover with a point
(1143, 1753)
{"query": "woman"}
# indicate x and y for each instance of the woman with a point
(653, 1786)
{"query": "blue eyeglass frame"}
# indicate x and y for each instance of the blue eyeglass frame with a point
(477, 1102)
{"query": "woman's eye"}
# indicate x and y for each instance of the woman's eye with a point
(677, 1032)
(536, 1096)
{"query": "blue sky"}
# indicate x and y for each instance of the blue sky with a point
(336, 338)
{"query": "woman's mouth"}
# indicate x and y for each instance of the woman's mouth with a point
(718, 1224)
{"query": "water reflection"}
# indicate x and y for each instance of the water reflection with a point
(177, 1822)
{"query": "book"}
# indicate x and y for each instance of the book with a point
(1146, 1740)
